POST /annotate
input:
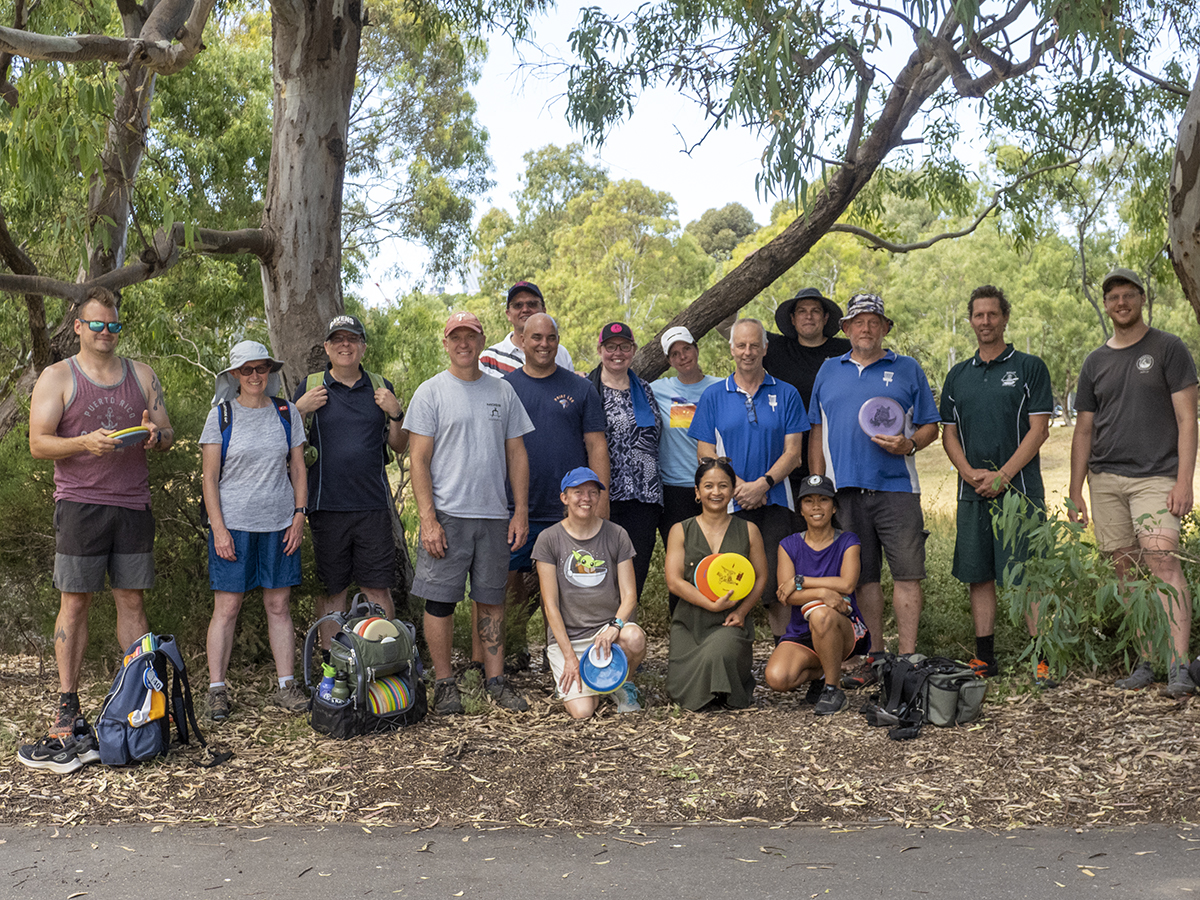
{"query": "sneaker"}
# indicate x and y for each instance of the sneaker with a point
(814, 691)
(984, 669)
(626, 697)
(1179, 684)
(52, 754)
(504, 696)
(87, 748)
(1043, 679)
(290, 698)
(833, 700)
(1142, 676)
(219, 706)
(64, 722)
(446, 701)
(862, 677)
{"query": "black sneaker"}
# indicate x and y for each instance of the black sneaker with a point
(1141, 677)
(833, 700)
(814, 691)
(506, 698)
(87, 748)
(446, 701)
(52, 754)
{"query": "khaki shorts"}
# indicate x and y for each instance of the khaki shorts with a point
(1124, 508)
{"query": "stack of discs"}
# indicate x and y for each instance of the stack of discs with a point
(388, 695)
(376, 628)
(720, 573)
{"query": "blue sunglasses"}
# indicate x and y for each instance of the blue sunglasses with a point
(113, 327)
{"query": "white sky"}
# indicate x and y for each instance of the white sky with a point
(524, 108)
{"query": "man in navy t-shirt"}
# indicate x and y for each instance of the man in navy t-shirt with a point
(352, 425)
(568, 418)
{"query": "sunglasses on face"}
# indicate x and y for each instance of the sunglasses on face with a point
(97, 326)
(252, 370)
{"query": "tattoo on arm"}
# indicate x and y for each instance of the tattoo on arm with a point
(156, 389)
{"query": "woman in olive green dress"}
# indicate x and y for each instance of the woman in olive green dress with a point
(712, 640)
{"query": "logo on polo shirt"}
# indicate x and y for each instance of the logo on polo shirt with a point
(771, 401)
(494, 411)
(1009, 379)
(888, 376)
(1145, 363)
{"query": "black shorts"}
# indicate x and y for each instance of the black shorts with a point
(353, 548)
(91, 539)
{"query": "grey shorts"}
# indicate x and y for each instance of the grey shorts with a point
(475, 547)
(91, 540)
(886, 522)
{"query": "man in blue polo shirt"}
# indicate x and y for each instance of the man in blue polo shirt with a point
(349, 498)
(758, 422)
(878, 494)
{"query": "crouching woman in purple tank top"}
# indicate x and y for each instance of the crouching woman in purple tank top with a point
(818, 570)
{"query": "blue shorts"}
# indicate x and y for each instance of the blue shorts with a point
(520, 560)
(260, 562)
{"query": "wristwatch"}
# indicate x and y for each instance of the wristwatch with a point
(303, 510)
(913, 451)
(399, 418)
(770, 481)
(617, 623)
(799, 582)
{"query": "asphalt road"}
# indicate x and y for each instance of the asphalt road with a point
(502, 863)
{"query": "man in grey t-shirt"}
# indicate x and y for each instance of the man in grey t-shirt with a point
(1141, 381)
(465, 439)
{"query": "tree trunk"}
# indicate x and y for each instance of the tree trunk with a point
(316, 58)
(1184, 202)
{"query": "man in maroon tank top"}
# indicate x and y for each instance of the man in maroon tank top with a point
(102, 519)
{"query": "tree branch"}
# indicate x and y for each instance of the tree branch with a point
(879, 243)
(8, 90)
(19, 262)
(1173, 87)
(155, 260)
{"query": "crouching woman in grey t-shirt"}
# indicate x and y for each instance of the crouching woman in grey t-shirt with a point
(255, 491)
(589, 594)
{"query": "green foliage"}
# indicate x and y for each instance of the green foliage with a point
(718, 231)
(1084, 618)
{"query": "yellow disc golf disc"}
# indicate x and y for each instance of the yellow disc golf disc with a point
(731, 571)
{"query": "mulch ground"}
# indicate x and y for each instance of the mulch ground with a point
(1082, 755)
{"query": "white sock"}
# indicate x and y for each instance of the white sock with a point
(213, 685)
(284, 682)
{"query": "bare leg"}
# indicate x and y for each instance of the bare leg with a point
(221, 628)
(833, 638)
(907, 601)
(326, 605)
(582, 707)
(439, 635)
(381, 597)
(1159, 549)
(131, 616)
(280, 630)
(633, 641)
(70, 639)
(870, 604)
(491, 637)
(792, 665)
(983, 607)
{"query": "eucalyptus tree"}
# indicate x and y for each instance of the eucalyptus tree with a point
(835, 90)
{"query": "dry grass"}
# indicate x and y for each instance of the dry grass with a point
(1082, 755)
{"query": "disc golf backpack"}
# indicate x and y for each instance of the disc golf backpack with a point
(916, 689)
(134, 724)
(383, 674)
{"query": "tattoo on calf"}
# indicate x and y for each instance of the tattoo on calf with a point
(60, 636)
(491, 632)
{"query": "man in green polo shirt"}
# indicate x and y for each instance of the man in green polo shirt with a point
(995, 409)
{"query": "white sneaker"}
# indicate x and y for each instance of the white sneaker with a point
(627, 698)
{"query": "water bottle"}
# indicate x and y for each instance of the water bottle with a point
(325, 689)
(341, 690)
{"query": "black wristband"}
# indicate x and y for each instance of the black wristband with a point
(770, 481)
